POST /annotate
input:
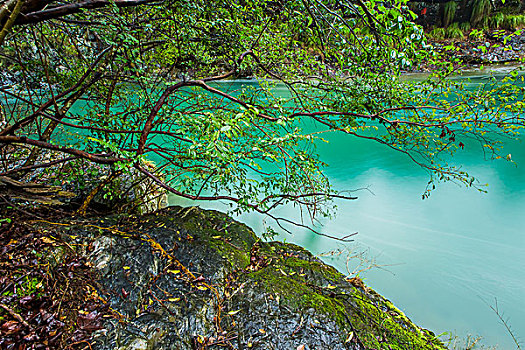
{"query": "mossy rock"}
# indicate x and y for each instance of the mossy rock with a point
(187, 278)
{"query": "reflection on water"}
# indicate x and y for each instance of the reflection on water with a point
(446, 257)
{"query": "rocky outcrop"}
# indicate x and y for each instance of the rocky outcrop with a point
(498, 46)
(186, 278)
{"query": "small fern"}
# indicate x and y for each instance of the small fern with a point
(437, 34)
(465, 26)
(480, 11)
(449, 12)
(496, 20)
(510, 22)
(453, 32)
(513, 22)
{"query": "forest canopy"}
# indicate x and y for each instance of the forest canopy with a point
(96, 91)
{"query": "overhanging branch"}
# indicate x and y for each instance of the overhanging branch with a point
(64, 10)
(46, 145)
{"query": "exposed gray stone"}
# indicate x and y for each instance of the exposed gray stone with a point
(185, 278)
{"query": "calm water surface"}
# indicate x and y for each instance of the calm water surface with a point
(442, 260)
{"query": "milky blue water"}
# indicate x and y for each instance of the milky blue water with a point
(443, 260)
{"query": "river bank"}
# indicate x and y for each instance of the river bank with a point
(495, 47)
(184, 278)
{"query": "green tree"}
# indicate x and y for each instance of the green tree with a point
(117, 83)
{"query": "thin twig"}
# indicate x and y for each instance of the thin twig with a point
(503, 321)
(14, 314)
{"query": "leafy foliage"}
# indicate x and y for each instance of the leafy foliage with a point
(449, 12)
(480, 10)
(437, 33)
(454, 32)
(118, 86)
(496, 20)
(513, 22)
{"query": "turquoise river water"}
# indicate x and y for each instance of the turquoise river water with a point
(444, 260)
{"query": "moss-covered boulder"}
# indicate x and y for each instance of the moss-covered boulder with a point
(186, 278)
